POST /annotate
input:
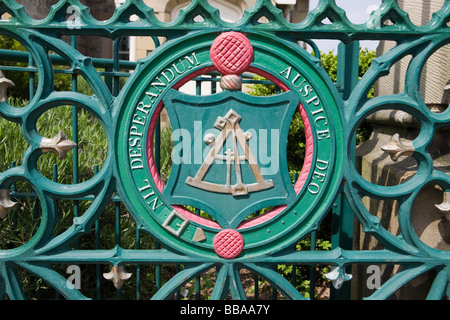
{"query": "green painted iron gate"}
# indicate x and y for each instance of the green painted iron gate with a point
(229, 207)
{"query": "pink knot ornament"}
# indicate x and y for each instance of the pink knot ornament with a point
(228, 243)
(231, 53)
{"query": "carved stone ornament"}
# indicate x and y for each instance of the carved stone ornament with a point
(338, 276)
(4, 85)
(6, 204)
(444, 207)
(118, 276)
(59, 145)
(397, 148)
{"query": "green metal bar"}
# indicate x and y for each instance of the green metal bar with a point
(158, 271)
(156, 41)
(31, 77)
(214, 84)
(177, 293)
(98, 287)
(198, 88)
(117, 236)
(55, 172)
(117, 223)
(256, 281)
(109, 79)
(32, 195)
(342, 238)
(138, 267)
(440, 284)
(62, 71)
(294, 267)
(75, 157)
(274, 289)
(158, 164)
(342, 234)
(13, 192)
(312, 272)
(23, 56)
(122, 65)
(55, 179)
(40, 39)
(347, 67)
(23, 69)
(198, 288)
(294, 275)
(163, 256)
(174, 284)
(12, 286)
(14, 185)
(311, 28)
(116, 66)
(198, 278)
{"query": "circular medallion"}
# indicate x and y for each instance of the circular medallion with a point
(229, 157)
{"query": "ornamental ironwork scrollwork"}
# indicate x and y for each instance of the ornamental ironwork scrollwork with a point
(330, 180)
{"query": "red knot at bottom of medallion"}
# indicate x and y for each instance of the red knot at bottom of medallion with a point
(228, 243)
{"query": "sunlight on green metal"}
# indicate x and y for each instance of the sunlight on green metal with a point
(110, 185)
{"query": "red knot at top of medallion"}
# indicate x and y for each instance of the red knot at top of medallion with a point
(228, 243)
(231, 53)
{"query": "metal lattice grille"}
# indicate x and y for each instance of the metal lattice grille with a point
(47, 255)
